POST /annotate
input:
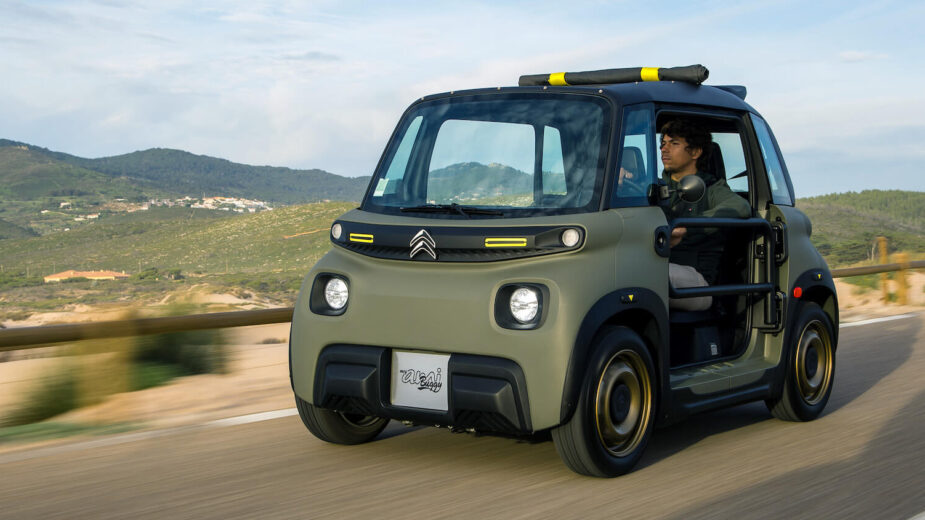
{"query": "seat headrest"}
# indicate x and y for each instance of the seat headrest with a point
(716, 168)
(632, 160)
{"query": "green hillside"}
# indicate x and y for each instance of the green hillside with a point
(845, 225)
(178, 172)
(27, 174)
(195, 241)
(10, 230)
(264, 253)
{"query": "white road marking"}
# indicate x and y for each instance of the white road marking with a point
(252, 418)
(877, 320)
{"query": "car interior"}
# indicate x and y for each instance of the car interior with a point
(722, 330)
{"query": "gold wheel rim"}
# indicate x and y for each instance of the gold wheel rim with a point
(623, 403)
(814, 362)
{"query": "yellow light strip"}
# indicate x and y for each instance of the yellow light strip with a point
(360, 237)
(506, 242)
(649, 74)
(557, 79)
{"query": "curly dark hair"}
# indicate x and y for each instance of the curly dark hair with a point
(696, 137)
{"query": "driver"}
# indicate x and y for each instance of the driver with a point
(695, 253)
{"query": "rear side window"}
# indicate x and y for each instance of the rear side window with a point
(780, 190)
(637, 166)
(732, 158)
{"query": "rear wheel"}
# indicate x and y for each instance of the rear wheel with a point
(810, 368)
(616, 409)
(337, 427)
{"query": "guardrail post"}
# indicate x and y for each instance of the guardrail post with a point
(901, 283)
(884, 287)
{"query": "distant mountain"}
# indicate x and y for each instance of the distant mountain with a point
(166, 171)
(472, 180)
(28, 173)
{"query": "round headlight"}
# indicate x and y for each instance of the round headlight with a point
(570, 237)
(524, 304)
(336, 231)
(335, 293)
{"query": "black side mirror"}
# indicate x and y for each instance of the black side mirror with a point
(692, 188)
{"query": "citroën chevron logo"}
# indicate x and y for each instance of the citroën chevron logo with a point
(423, 242)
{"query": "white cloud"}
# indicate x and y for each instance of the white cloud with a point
(858, 56)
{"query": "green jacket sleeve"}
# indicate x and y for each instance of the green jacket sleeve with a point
(721, 203)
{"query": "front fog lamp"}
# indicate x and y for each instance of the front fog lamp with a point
(335, 293)
(570, 237)
(525, 303)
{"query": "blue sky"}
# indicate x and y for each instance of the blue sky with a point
(321, 84)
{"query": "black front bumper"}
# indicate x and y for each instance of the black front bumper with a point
(485, 393)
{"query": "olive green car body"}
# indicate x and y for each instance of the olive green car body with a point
(615, 276)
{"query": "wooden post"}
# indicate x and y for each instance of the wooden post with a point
(900, 277)
(881, 243)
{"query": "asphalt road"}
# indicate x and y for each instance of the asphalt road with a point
(864, 458)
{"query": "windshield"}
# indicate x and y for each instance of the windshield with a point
(490, 156)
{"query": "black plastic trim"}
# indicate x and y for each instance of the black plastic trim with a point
(503, 316)
(662, 241)
(816, 279)
(316, 300)
(455, 243)
(686, 403)
(485, 393)
(606, 308)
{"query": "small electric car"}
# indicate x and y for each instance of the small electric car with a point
(507, 273)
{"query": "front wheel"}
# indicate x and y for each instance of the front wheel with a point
(810, 367)
(616, 409)
(337, 427)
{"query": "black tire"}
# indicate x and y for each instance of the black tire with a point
(616, 409)
(339, 428)
(810, 367)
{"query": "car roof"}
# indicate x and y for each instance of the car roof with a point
(633, 93)
(674, 92)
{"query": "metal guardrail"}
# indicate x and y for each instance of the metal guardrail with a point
(21, 338)
(31, 337)
(879, 268)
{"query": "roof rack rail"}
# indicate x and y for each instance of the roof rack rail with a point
(695, 74)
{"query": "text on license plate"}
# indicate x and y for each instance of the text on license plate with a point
(420, 380)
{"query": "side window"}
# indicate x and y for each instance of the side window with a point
(727, 159)
(396, 171)
(732, 160)
(637, 168)
(553, 165)
(780, 191)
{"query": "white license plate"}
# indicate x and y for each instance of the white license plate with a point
(420, 380)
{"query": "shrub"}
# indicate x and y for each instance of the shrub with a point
(105, 367)
(192, 352)
(56, 394)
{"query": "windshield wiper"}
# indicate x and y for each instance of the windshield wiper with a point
(465, 211)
